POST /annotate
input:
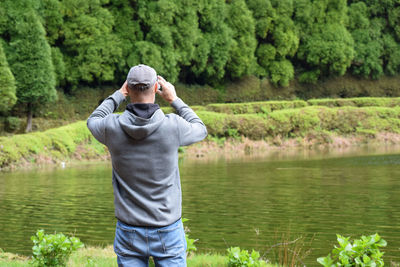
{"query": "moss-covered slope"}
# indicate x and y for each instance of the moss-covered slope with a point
(257, 121)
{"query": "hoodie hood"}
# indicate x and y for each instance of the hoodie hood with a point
(139, 128)
(143, 110)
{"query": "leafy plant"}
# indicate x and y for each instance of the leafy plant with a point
(363, 252)
(53, 249)
(12, 124)
(191, 247)
(242, 258)
(233, 133)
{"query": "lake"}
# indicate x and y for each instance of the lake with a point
(251, 202)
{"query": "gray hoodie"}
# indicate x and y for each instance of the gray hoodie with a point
(144, 154)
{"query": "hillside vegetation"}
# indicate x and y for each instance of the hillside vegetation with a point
(66, 45)
(318, 119)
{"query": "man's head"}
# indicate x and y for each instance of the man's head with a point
(142, 81)
(141, 78)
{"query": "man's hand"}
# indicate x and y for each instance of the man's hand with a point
(168, 90)
(124, 89)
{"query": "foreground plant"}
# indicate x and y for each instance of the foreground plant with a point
(242, 258)
(191, 247)
(363, 252)
(288, 250)
(53, 249)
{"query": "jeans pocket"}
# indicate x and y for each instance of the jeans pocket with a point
(124, 238)
(172, 240)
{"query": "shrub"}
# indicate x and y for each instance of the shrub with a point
(298, 122)
(356, 102)
(239, 258)
(255, 107)
(363, 252)
(274, 121)
(64, 140)
(53, 249)
(7, 84)
(191, 247)
(12, 124)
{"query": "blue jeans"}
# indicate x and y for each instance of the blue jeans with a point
(134, 245)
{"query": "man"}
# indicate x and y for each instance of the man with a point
(143, 143)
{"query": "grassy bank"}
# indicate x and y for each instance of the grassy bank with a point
(77, 105)
(67, 111)
(293, 123)
(105, 257)
(303, 123)
(59, 144)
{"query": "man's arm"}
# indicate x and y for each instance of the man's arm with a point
(191, 128)
(96, 121)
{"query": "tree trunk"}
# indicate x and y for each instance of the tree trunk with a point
(29, 120)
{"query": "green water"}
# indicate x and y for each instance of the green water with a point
(247, 202)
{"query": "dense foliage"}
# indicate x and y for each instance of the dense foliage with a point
(7, 84)
(317, 120)
(29, 55)
(362, 252)
(70, 43)
(241, 258)
(53, 249)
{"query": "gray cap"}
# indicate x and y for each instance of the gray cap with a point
(141, 74)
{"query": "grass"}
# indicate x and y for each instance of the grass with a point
(267, 121)
(293, 123)
(79, 103)
(255, 107)
(357, 102)
(54, 144)
(105, 257)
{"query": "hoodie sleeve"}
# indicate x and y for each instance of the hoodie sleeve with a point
(97, 121)
(191, 129)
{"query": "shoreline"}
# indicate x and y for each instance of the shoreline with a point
(105, 256)
(245, 147)
(255, 128)
(234, 148)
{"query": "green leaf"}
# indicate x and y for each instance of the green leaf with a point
(40, 234)
(343, 241)
(255, 255)
(382, 243)
(325, 261)
(366, 259)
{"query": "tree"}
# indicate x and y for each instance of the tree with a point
(90, 48)
(59, 65)
(241, 60)
(127, 29)
(368, 46)
(29, 57)
(7, 83)
(326, 47)
(52, 19)
(157, 47)
(3, 19)
(170, 32)
(278, 38)
(377, 36)
(214, 43)
(391, 54)
(50, 12)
